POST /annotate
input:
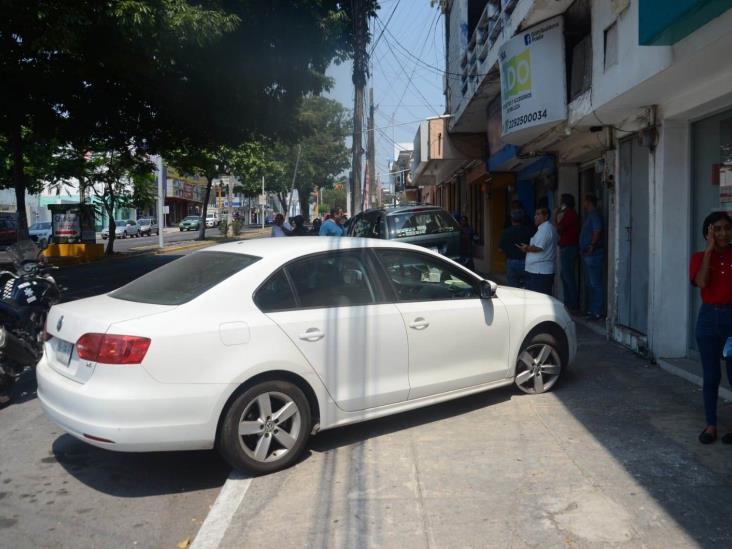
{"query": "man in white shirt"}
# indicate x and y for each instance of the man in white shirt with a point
(541, 254)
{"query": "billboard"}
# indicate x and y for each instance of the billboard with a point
(533, 82)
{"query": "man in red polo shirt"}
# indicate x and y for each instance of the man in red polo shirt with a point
(568, 227)
(711, 270)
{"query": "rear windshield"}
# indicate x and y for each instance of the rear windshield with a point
(182, 280)
(420, 223)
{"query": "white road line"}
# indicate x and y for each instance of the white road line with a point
(219, 517)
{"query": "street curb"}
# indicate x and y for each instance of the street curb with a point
(172, 249)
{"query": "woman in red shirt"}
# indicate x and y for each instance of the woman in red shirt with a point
(711, 270)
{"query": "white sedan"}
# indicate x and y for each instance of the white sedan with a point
(252, 346)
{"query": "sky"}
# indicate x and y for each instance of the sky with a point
(406, 91)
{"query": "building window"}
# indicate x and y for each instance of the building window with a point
(611, 45)
(581, 68)
(578, 46)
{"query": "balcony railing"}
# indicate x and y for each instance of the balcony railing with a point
(486, 34)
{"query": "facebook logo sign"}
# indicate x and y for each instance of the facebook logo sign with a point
(527, 39)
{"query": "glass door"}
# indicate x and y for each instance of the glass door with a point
(711, 186)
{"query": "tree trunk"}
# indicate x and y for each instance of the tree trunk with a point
(283, 201)
(19, 181)
(305, 204)
(230, 209)
(204, 210)
(109, 208)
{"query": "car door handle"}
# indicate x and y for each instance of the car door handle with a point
(312, 334)
(419, 323)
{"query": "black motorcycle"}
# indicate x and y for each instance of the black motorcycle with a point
(27, 292)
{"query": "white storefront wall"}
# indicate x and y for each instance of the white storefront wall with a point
(685, 82)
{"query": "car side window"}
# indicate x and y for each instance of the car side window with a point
(334, 279)
(421, 277)
(362, 227)
(381, 227)
(275, 294)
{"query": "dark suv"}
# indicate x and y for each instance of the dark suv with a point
(424, 225)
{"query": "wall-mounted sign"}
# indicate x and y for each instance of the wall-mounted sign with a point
(533, 82)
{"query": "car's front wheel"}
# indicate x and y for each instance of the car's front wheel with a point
(265, 428)
(539, 364)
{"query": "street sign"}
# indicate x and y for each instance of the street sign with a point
(262, 200)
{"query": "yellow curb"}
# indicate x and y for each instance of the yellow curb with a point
(200, 244)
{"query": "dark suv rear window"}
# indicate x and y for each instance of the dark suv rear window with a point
(184, 279)
(418, 223)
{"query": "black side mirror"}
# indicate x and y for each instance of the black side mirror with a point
(488, 289)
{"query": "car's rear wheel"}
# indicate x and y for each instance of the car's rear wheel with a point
(539, 364)
(265, 428)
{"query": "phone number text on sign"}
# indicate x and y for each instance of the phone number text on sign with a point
(525, 119)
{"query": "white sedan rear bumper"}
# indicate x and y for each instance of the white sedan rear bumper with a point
(131, 411)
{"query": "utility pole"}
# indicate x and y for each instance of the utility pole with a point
(372, 151)
(230, 209)
(263, 201)
(360, 60)
(161, 200)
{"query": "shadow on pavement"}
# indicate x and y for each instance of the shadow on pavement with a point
(135, 475)
(648, 421)
(360, 432)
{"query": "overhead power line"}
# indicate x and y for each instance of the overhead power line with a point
(376, 43)
(411, 76)
(417, 59)
(409, 81)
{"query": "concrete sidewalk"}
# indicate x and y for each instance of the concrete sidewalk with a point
(610, 458)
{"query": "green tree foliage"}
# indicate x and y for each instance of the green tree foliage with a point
(202, 162)
(162, 74)
(323, 154)
(119, 179)
(333, 198)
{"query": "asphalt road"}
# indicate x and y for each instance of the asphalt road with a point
(129, 244)
(56, 491)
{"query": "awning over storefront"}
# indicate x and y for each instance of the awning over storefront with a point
(663, 23)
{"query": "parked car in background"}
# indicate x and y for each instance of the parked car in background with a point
(212, 219)
(41, 232)
(123, 229)
(148, 226)
(8, 231)
(323, 332)
(428, 226)
(190, 223)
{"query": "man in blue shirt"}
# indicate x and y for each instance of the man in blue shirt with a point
(332, 226)
(593, 256)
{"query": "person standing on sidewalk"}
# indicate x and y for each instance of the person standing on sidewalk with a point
(568, 227)
(511, 238)
(593, 256)
(332, 226)
(278, 228)
(711, 271)
(541, 254)
(299, 229)
(467, 237)
(316, 226)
